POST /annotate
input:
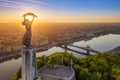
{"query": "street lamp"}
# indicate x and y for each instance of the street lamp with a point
(28, 19)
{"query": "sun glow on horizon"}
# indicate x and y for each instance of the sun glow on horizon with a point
(59, 14)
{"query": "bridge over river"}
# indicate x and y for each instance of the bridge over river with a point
(88, 49)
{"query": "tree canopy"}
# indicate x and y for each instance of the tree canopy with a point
(102, 66)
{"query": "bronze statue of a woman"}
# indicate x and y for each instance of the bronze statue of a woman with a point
(28, 33)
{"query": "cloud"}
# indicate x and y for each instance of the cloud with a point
(39, 2)
(22, 4)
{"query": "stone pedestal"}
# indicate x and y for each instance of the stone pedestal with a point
(29, 69)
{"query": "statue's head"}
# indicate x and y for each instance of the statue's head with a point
(28, 18)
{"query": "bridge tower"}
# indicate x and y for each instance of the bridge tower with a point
(87, 51)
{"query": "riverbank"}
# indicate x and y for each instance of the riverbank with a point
(52, 34)
(52, 44)
(101, 43)
(115, 50)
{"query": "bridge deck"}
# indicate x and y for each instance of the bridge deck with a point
(92, 50)
(76, 51)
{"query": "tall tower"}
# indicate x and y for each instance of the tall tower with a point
(29, 69)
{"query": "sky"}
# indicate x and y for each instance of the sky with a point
(11, 11)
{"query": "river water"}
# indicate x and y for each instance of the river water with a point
(101, 43)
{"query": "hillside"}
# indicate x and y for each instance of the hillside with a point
(102, 66)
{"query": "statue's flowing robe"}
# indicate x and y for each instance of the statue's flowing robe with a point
(27, 36)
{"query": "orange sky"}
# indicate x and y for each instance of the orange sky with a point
(58, 17)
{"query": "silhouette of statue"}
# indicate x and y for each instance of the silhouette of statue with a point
(28, 33)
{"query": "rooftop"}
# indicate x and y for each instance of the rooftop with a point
(55, 73)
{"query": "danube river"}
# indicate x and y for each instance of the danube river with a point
(101, 43)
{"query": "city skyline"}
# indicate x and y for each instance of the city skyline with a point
(61, 11)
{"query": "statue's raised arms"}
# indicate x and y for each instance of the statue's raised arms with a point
(28, 19)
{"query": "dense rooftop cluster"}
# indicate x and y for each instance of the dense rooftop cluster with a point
(48, 34)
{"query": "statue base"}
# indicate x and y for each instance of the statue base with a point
(29, 70)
